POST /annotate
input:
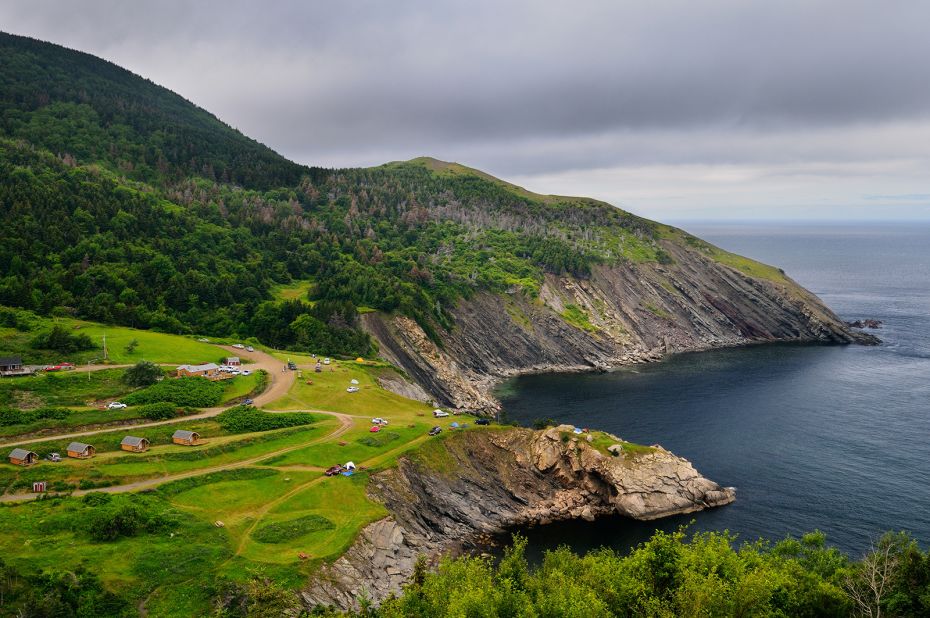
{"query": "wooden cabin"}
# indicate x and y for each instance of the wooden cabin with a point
(134, 444)
(22, 457)
(187, 438)
(79, 450)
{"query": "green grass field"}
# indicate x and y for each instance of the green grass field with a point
(327, 390)
(266, 488)
(62, 389)
(151, 346)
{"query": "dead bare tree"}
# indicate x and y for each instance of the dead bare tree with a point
(872, 580)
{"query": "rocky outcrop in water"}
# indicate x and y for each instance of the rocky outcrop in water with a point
(453, 492)
(868, 323)
(630, 313)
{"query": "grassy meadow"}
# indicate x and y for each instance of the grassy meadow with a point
(221, 511)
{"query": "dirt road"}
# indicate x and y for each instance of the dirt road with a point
(345, 424)
(280, 384)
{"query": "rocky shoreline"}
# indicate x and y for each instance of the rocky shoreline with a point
(471, 485)
(620, 315)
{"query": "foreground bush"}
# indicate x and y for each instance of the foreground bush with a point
(9, 417)
(670, 576)
(193, 392)
(244, 419)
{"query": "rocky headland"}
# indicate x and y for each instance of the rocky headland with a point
(619, 315)
(454, 492)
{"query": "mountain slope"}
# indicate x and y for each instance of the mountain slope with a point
(122, 202)
(73, 103)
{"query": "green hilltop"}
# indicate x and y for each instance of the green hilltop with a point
(124, 203)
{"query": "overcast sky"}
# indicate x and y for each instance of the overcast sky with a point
(674, 110)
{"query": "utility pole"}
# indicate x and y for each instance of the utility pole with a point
(105, 355)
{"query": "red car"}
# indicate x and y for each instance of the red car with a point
(333, 470)
(375, 429)
(60, 367)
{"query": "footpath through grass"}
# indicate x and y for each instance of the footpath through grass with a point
(274, 511)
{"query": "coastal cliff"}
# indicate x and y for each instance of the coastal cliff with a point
(456, 491)
(701, 298)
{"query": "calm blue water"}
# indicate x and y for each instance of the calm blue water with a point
(813, 437)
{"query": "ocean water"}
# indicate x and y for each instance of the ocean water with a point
(833, 438)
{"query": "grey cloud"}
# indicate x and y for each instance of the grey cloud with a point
(531, 87)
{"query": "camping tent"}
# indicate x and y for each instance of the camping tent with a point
(349, 466)
(354, 381)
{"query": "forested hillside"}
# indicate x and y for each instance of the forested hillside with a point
(122, 202)
(85, 109)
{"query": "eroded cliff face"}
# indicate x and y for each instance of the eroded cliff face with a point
(620, 315)
(456, 491)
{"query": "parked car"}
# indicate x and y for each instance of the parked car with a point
(435, 431)
(238, 346)
(247, 402)
(379, 421)
(326, 361)
(482, 421)
(333, 470)
(60, 367)
(249, 348)
(352, 389)
(245, 372)
(375, 428)
(292, 365)
(54, 457)
(440, 414)
(116, 405)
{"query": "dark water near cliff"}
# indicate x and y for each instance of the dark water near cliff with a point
(812, 437)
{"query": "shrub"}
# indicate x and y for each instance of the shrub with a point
(159, 411)
(261, 382)
(193, 392)
(244, 419)
(60, 340)
(143, 373)
(108, 520)
(284, 531)
(9, 417)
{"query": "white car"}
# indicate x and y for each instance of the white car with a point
(234, 372)
(245, 372)
(352, 389)
(249, 348)
(325, 361)
(116, 405)
(378, 421)
(440, 414)
(238, 346)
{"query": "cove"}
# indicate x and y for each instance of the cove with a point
(834, 438)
